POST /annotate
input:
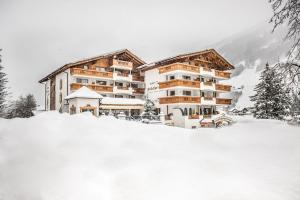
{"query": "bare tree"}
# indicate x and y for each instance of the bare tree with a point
(288, 12)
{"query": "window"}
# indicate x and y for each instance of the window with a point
(186, 93)
(60, 84)
(101, 82)
(186, 77)
(85, 67)
(172, 77)
(172, 93)
(118, 96)
(60, 97)
(81, 80)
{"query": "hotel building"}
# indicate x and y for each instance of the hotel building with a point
(187, 88)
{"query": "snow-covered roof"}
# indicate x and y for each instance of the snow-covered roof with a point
(121, 101)
(84, 92)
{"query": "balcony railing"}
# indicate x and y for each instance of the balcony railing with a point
(208, 83)
(123, 64)
(222, 74)
(179, 83)
(98, 88)
(179, 99)
(87, 72)
(223, 101)
(208, 98)
(138, 78)
(138, 90)
(221, 87)
(178, 66)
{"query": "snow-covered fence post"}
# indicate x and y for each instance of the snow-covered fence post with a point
(162, 117)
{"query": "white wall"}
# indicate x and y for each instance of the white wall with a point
(61, 76)
(152, 78)
(80, 102)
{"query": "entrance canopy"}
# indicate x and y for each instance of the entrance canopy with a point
(84, 93)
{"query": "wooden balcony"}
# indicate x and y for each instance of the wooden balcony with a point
(222, 74)
(138, 78)
(225, 88)
(179, 66)
(98, 88)
(179, 83)
(223, 101)
(122, 64)
(179, 99)
(87, 72)
(138, 90)
(208, 83)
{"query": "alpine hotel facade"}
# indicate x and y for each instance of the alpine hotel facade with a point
(187, 88)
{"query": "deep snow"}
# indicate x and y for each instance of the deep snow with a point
(57, 156)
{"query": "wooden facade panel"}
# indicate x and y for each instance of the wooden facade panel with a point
(97, 88)
(222, 87)
(223, 101)
(85, 72)
(179, 66)
(179, 99)
(179, 83)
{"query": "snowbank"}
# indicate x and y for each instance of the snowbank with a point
(62, 157)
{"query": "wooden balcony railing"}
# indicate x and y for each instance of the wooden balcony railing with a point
(222, 74)
(87, 72)
(179, 99)
(98, 88)
(122, 74)
(177, 82)
(138, 78)
(223, 101)
(207, 69)
(139, 90)
(208, 83)
(179, 66)
(221, 87)
(123, 63)
(208, 98)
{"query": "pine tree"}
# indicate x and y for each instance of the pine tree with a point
(295, 107)
(3, 89)
(272, 100)
(22, 107)
(149, 108)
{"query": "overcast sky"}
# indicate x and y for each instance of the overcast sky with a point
(39, 36)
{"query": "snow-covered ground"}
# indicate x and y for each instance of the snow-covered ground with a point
(60, 157)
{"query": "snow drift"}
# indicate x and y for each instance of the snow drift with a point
(57, 156)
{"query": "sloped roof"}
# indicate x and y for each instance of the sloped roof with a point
(105, 55)
(174, 58)
(84, 92)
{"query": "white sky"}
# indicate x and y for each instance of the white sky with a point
(38, 36)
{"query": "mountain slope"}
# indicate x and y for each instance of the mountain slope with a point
(249, 51)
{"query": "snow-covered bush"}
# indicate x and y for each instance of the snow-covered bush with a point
(22, 107)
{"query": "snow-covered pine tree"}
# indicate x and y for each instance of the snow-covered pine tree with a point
(272, 99)
(22, 107)
(3, 89)
(149, 108)
(295, 107)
